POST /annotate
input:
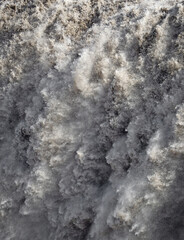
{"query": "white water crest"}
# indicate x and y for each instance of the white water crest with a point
(91, 120)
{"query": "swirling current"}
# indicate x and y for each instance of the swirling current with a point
(91, 120)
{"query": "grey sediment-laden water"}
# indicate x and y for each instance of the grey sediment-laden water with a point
(91, 120)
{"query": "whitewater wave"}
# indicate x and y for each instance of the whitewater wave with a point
(91, 120)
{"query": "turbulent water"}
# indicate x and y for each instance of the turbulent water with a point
(91, 120)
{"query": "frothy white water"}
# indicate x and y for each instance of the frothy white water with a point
(91, 120)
